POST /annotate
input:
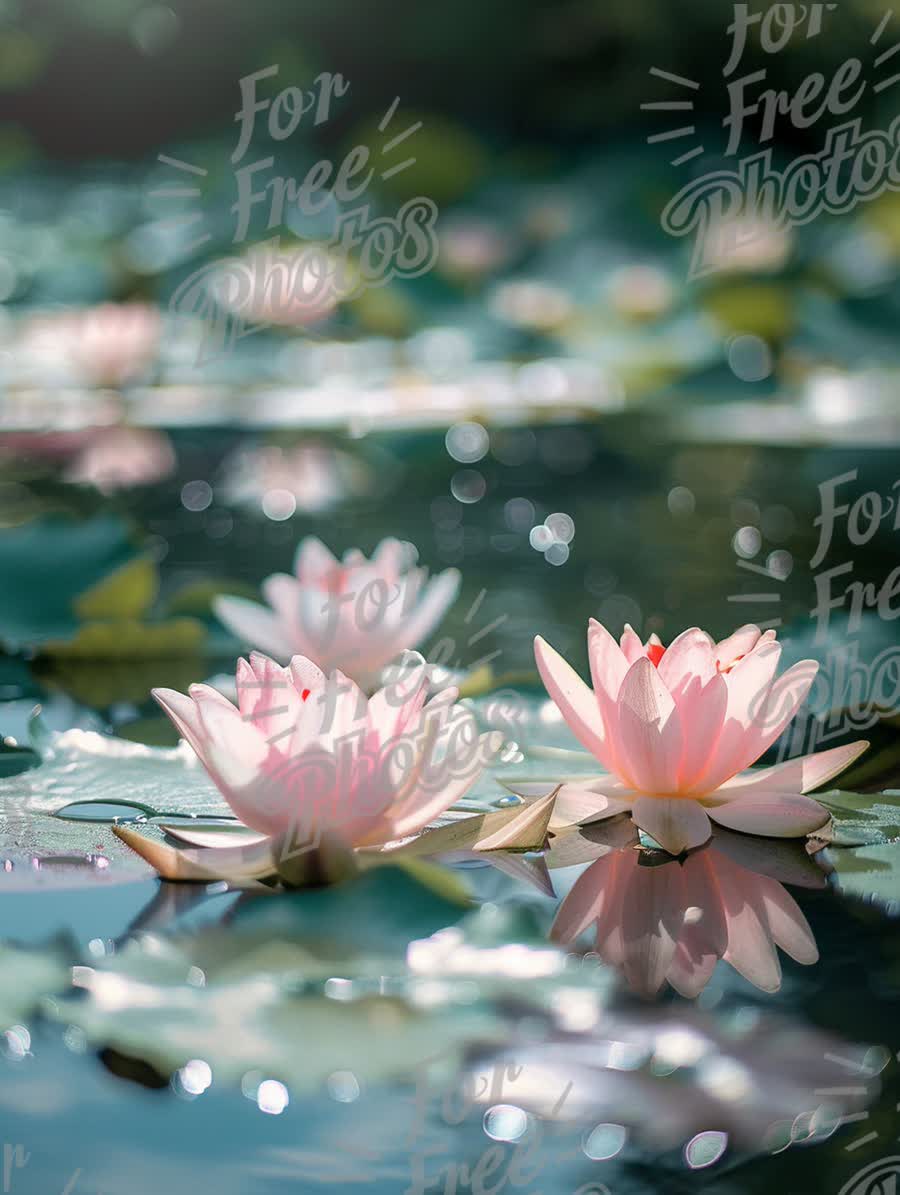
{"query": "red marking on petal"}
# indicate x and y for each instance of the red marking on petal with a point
(305, 693)
(655, 652)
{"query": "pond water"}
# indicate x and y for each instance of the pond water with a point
(142, 1078)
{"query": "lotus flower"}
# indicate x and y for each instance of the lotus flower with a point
(307, 754)
(356, 615)
(661, 919)
(676, 727)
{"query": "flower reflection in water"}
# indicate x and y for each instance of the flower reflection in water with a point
(660, 919)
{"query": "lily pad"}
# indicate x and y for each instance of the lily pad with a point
(861, 818)
(46, 565)
(869, 872)
(80, 766)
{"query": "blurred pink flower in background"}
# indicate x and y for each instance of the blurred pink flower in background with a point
(107, 345)
(116, 458)
(659, 919)
(357, 614)
(308, 754)
(290, 286)
(675, 727)
(308, 476)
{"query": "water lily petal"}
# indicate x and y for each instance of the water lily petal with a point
(578, 806)
(653, 908)
(789, 928)
(313, 562)
(739, 643)
(749, 683)
(253, 624)
(803, 774)
(416, 622)
(690, 655)
(778, 815)
(584, 902)
(750, 948)
(701, 707)
(631, 645)
(676, 823)
(184, 715)
(650, 732)
(576, 702)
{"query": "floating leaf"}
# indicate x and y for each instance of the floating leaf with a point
(870, 872)
(126, 593)
(46, 564)
(130, 639)
(80, 766)
(519, 829)
(116, 680)
(866, 817)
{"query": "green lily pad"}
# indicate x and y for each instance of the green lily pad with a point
(82, 765)
(871, 872)
(861, 818)
(127, 593)
(46, 565)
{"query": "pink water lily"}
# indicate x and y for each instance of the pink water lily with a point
(306, 753)
(676, 727)
(355, 614)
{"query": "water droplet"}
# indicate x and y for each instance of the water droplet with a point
(505, 1122)
(604, 1142)
(102, 811)
(705, 1149)
(507, 802)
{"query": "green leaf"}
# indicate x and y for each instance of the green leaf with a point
(127, 593)
(870, 817)
(129, 639)
(46, 564)
(83, 765)
(870, 872)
